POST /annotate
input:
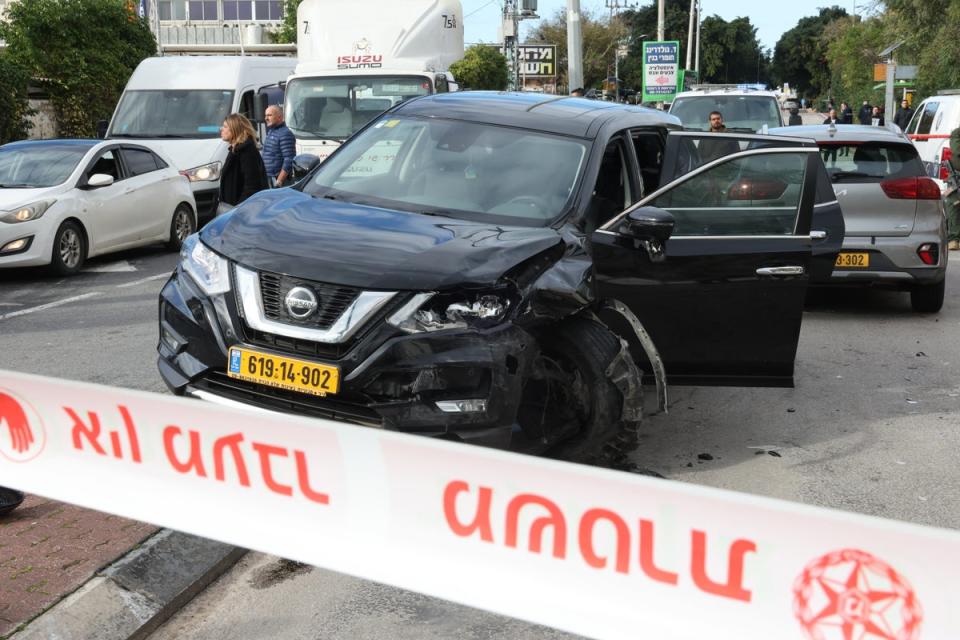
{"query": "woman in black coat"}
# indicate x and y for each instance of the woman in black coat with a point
(243, 172)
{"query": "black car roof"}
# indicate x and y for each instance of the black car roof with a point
(536, 111)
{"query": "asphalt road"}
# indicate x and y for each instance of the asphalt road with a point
(873, 426)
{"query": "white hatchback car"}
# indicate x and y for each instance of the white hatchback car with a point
(63, 201)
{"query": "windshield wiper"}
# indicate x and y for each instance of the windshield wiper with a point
(150, 135)
(16, 186)
(839, 175)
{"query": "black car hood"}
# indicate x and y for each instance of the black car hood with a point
(286, 231)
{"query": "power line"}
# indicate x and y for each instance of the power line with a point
(483, 6)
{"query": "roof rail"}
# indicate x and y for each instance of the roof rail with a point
(948, 92)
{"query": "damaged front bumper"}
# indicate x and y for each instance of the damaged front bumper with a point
(459, 384)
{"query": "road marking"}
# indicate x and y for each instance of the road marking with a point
(142, 280)
(11, 304)
(121, 266)
(49, 305)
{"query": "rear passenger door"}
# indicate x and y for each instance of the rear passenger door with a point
(723, 296)
(146, 196)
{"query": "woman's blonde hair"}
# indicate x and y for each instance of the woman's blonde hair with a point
(240, 128)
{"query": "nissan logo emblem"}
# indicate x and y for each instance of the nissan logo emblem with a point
(301, 302)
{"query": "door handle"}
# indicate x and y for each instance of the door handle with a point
(818, 235)
(780, 271)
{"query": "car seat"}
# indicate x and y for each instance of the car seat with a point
(336, 118)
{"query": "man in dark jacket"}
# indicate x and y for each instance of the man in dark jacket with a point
(904, 113)
(866, 113)
(279, 147)
(846, 113)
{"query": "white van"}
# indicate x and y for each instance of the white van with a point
(177, 103)
(930, 128)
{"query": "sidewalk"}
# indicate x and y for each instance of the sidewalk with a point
(48, 549)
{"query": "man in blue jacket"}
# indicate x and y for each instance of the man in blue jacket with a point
(279, 147)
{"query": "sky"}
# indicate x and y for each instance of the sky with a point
(483, 17)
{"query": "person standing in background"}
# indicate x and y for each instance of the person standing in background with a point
(243, 171)
(904, 114)
(865, 113)
(876, 118)
(846, 113)
(279, 147)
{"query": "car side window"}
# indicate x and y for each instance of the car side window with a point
(107, 164)
(748, 196)
(612, 192)
(926, 119)
(139, 161)
(649, 149)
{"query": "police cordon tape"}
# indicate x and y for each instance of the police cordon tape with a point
(601, 553)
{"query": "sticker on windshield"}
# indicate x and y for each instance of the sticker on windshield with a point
(389, 124)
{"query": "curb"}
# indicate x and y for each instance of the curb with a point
(133, 596)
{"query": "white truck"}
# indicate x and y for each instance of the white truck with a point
(356, 62)
(177, 103)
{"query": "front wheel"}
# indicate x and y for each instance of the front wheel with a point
(69, 249)
(569, 404)
(928, 298)
(181, 226)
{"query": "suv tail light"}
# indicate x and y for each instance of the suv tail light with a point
(911, 189)
(929, 253)
(945, 156)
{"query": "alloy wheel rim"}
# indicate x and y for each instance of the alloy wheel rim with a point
(70, 248)
(182, 226)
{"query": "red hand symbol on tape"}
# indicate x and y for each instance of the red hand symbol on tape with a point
(14, 418)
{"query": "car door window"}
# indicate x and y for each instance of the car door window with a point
(107, 164)
(926, 119)
(747, 196)
(139, 161)
(612, 191)
(648, 147)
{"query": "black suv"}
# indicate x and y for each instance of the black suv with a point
(502, 269)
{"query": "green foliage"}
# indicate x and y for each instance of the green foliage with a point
(730, 52)
(13, 100)
(482, 67)
(800, 55)
(852, 46)
(81, 51)
(600, 39)
(642, 25)
(288, 28)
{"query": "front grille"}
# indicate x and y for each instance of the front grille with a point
(296, 346)
(333, 300)
(331, 407)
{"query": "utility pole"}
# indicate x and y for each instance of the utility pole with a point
(574, 46)
(660, 20)
(511, 38)
(690, 35)
(696, 64)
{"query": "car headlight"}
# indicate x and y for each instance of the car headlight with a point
(432, 312)
(209, 270)
(203, 173)
(26, 212)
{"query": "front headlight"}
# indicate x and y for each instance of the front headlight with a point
(433, 312)
(26, 212)
(203, 173)
(209, 270)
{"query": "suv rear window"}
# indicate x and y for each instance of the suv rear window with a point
(743, 112)
(870, 161)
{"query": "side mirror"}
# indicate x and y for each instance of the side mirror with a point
(99, 180)
(303, 164)
(102, 129)
(649, 223)
(260, 104)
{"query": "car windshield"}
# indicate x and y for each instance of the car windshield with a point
(466, 170)
(171, 113)
(334, 108)
(870, 161)
(738, 111)
(36, 165)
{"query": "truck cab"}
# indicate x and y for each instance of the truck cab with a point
(177, 103)
(351, 69)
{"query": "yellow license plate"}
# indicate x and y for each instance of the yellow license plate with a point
(853, 260)
(283, 373)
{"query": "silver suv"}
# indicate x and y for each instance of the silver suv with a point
(896, 232)
(742, 109)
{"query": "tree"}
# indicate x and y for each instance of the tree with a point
(13, 100)
(800, 55)
(288, 28)
(641, 24)
(852, 47)
(730, 52)
(600, 38)
(482, 67)
(81, 52)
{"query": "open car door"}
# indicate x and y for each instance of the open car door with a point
(716, 262)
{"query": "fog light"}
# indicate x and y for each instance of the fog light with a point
(16, 245)
(929, 252)
(462, 406)
(173, 341)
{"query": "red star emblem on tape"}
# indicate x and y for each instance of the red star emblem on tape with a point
(851, 595)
